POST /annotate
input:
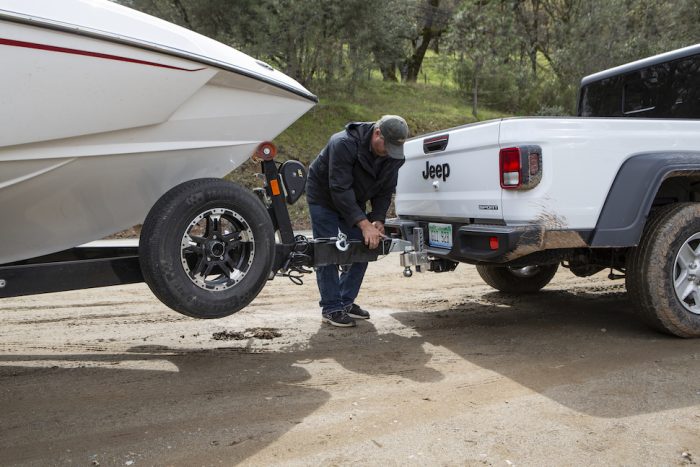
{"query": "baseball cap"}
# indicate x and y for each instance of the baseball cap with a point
(394, 129)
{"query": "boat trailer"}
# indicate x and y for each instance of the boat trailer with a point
(116, 262)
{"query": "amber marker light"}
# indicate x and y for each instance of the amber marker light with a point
(265, 151)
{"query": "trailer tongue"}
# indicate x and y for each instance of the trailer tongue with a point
(296, 252)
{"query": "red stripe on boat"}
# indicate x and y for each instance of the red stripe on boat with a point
(51, 48)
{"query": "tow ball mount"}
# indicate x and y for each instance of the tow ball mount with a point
(414, 253)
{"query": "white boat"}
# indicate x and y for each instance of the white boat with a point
(104, 109)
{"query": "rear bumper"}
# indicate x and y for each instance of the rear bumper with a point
(480, 243)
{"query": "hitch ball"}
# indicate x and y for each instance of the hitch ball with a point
(407, 272)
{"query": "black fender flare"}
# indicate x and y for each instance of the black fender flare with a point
(632, 193)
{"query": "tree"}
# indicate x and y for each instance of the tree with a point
(531, 22)
(590, 36)
(387, 32)
(514, 55)
(432, 21)
(481, 37)
(280, 31)
(228, 22)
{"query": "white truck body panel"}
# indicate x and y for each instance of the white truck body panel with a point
(470, 184)
(580, 159)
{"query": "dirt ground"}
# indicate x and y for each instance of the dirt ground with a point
(447, 372)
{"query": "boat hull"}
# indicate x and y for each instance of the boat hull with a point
(94, 132)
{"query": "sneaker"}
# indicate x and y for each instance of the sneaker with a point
(338, 318)
(354, 311)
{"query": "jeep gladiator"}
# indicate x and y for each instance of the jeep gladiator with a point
(616, 187)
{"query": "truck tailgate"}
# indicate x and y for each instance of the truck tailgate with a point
(452, 175)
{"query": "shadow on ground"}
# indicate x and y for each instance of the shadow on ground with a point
(586, 351)
(227, 403)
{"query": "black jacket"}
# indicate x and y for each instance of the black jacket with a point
(343, 178)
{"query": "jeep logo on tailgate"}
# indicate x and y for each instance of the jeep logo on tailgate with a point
(436, 171)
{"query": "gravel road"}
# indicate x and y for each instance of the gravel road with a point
(447, 372)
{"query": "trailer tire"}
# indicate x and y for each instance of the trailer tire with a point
(661, 280)
(516, 280)
(206, 248)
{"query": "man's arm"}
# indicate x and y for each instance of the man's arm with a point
(382, 200)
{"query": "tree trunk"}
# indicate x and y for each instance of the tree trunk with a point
(415, 61)
(388, 72)
(429, 31)
(475, 96)
(529, 19)
(475, 88)
(183, 13)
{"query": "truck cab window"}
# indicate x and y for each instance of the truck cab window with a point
(641, 92)
(684, 98)
(664, 90)
(602, 98)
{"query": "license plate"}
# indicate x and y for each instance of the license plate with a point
(440, 235)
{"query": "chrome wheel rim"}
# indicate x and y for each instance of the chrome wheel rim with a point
(526, 271)
(217, 249)
(686, 274)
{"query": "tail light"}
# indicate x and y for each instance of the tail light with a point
(520, 167)
(510, 167)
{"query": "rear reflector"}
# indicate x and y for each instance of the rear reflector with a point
(534, 162)
(493, 243)
(275, 188)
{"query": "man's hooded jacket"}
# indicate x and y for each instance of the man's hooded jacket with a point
(346, 175)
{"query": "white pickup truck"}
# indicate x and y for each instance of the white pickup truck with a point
(616, 187)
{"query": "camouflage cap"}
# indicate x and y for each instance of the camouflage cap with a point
(394, 129)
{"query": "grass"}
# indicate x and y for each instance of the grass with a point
(426, 108)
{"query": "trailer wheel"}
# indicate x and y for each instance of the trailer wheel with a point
(508, 279)
(663, 272)
(206, 248)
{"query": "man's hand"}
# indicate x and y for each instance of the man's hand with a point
(380, 226)
(370, 233)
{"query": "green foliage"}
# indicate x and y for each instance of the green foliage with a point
(426, 108)
(517, 56)
(520, 57)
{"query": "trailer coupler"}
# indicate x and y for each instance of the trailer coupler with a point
(313, 253)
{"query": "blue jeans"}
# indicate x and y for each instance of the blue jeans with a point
(338, 289)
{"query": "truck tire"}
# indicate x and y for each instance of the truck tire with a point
(206, 248)
(517, 280)
(663, 272)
